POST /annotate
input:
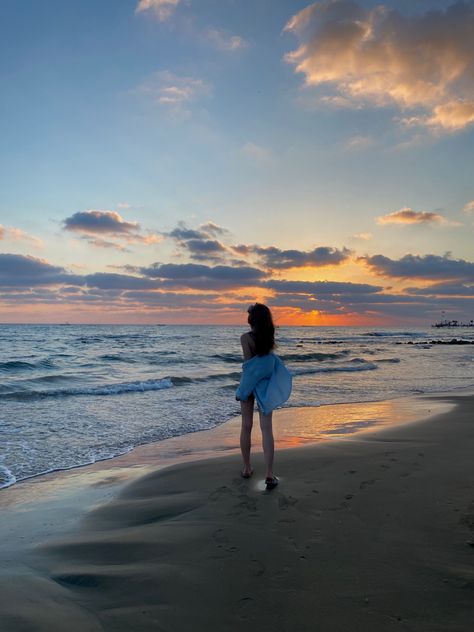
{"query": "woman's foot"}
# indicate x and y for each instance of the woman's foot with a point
(271, 482)
(246, 473)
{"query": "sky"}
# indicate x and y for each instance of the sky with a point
(173, 161)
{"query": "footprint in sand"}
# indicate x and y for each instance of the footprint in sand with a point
(467, 518)
(220, 492)
(365, 484)
(283, 574)
(285, 502)
(243, 607)
(220, 537)
(246, 505)
(292, 543)
(246, 502)
(257, 568)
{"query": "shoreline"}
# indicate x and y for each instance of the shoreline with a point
(146, 446)
(371, 532)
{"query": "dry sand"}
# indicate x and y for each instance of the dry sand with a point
(371, 533)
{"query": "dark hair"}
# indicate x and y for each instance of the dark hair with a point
(263, 329)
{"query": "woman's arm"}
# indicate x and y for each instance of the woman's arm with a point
(248, 346)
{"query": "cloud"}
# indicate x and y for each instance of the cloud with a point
(198, 276)
(163, 9)
(174, 299)
(224, 41)
(173, 92)
(22, 270)
(100, 222)
(452, 116)
(200, 244)
(444, 289)
(103, 243)
(421, 267)
(257, 154)
(322, 288)
(210, 228)
(112, 281)
(217, 290)
(408, 216)
(362, 237)
(420, 63)
(205, 248)
(359, 143)
(10, 233)
(276, 258)
(469, 208)
(94, 225)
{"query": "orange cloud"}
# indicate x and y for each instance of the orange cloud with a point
(409, 216)
(16, 234)
(381, 57)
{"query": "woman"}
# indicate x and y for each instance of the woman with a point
(265, 378)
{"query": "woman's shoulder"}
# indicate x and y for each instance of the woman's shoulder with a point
(247, 337)
(248, 345)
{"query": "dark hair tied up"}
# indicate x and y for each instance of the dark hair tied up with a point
(263, 329)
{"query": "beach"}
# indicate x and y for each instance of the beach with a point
(372, 531)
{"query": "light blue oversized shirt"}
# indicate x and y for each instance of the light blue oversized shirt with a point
(268, 379)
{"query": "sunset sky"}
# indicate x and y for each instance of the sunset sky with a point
(173, 161)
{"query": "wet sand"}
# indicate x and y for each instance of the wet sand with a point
(372, 532)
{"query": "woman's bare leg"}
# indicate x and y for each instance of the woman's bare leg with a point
(267, 442)
(245, 433)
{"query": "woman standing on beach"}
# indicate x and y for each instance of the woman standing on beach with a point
(264, 378)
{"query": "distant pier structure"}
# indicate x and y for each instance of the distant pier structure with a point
(453, 323)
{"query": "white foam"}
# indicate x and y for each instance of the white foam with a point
(125, 387)
(7, 478)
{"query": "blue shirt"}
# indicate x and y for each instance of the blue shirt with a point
(268, 379)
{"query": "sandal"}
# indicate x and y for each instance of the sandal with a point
(272, 482)
(246, 474)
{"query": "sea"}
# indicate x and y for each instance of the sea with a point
(71, 395)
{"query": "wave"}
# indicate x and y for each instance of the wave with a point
(388, 360)
(362, 365)
(182, 379)
(228, 357)
(288, 357)
(108, 389)
(20, 365)
(388, 334)
(319, 357)
(115, 357)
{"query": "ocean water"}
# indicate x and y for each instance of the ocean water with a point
(74, 394)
